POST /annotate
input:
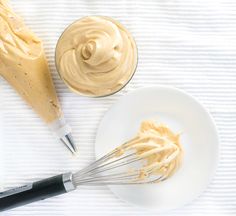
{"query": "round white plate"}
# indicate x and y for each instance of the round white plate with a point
(182, 113)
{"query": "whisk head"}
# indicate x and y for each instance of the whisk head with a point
(152, 156)
(116, 168)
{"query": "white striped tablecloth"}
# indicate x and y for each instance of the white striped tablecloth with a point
(189, 44)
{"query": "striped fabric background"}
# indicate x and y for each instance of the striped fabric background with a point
(189, 44)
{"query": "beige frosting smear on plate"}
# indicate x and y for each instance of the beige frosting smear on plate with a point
(96, 56)
(159, 147)
(24, 66)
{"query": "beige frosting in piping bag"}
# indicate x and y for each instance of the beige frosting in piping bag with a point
(24, 66)
(96, 56)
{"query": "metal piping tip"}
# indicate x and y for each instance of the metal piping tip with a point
(68, 141)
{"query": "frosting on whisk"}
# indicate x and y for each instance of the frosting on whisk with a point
(159, 146)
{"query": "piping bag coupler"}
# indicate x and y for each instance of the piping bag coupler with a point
(62, 130)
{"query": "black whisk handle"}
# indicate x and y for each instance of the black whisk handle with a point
(36, 191)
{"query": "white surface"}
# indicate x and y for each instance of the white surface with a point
(189, 44)
(181, 113)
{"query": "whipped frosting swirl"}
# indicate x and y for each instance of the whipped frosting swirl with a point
(96, 56)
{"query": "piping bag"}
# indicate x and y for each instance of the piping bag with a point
(24, 66)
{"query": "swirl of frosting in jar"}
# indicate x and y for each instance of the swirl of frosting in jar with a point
(96, 56)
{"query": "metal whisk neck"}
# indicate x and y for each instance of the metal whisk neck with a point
(112, 169)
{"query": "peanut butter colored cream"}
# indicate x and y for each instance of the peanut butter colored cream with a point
(96, 56)
(23, 65)
(159, 147)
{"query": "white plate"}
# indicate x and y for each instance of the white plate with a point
(183, 114)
